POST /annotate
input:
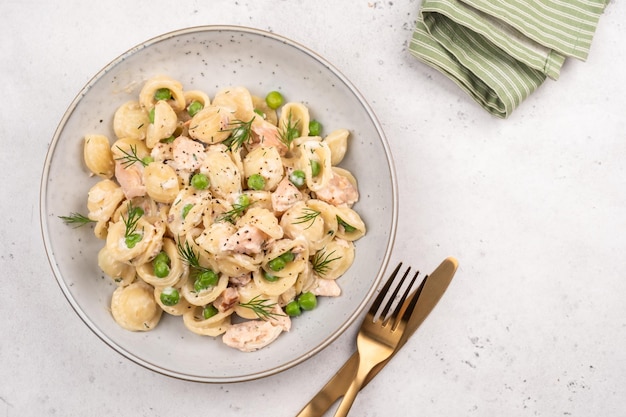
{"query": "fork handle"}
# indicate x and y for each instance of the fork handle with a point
(353, 390)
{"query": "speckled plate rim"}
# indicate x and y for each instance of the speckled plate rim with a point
(44, 212)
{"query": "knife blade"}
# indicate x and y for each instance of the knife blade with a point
(429, 293)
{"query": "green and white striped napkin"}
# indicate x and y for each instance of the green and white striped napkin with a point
(500, 51)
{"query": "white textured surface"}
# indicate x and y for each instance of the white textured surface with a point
(534, 208)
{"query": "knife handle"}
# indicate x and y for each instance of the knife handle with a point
(333, 390)
(337, 387)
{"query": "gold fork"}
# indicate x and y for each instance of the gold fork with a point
(380, 331)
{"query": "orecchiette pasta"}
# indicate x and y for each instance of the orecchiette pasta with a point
(237, 100)
(221, 211)
(98, 158)
(134, 307)
(131, 121)
(266, 161)
(162, 123)
(161, 182)
(337, 141)
(210, 125)
(149, 97)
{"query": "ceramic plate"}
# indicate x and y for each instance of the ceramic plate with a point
(209, 58)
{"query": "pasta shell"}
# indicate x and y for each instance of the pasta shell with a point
(213, 326)
(210, 125)
(295, 116)
(103, 199)
(98, 156)
(178, 269)
(128, 146)
(314, 221)
(188, 210)
(131, 121)
(334, 259)
(250, 292)
(143, 251)
(318, 152)
(263, 220)
(267, 162)
(122, 273)
(275, 288)
(178, 309)
(146, 95)
(224, 178)
(161, 182)
(337, 142)
(164, 124)
(237, 100)
(355, 228)
(206, 296)
(297, 246)
(134, 308)
(197, 96)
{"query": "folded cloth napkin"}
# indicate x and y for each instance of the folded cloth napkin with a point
(500, 51)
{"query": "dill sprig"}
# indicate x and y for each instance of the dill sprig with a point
(191, 258)
(243, 202)
(347, 227)
(240, 134)
(321, 262)
(131, 157)
(76, 219)
(131, 236)
(289, 132)
(261, 307)
(309, 216)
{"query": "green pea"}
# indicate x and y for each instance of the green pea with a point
(170, 296)
(168, 140)
(269, 277)
(277, 264)
(200, 181)
(162, 94)
(307, 301)
(293, 309)
(315, 128)
(146, 160)
(297, 178)
(151, 115)
(315, 168)
(205, 279)
(194, 107)
(288, 256)
(132, 239)
(209, 311)
(274, 100)
(162, 257)
(347, 227)
(243, 200)
(161, 269)
(186, 210)
(256, 182)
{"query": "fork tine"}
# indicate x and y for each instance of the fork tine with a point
(399, 307)
(414, 295)
(386, 306)
(409, 304)
(385, 303)
(384, 290)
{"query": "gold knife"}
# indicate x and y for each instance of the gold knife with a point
(429, 293)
